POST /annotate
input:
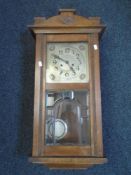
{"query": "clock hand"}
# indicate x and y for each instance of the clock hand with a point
(59, 58)
(67, 62)
(71, 68)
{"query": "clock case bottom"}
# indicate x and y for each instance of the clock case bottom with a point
(68, 163)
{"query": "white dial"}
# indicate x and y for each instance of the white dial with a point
(67, 62)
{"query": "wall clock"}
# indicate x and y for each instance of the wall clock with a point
(67, 131)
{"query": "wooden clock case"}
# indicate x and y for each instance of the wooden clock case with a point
(67, 27)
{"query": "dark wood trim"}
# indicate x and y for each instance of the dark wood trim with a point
(67, 38)
(65, 166)
(63, 86)
(59, 160)
(67, 151)
(78, 162)
(98, 113)
(91, 101)
(36, 122)
(66, 30)
(43, 94)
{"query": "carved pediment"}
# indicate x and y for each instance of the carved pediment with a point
(67, 18)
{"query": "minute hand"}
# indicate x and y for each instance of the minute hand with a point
(59, 58)
(67, 62)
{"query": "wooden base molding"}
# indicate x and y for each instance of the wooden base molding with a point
(70, 163)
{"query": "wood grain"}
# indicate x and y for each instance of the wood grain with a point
(68, 163)
(67, 151)
(36, 122)
(68, 86)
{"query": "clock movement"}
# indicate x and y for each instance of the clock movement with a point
(67, 130)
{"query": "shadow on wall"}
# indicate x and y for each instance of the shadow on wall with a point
(25, 130)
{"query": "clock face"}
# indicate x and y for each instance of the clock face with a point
(67, 63)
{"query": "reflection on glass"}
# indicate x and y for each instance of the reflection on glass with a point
(67, 118)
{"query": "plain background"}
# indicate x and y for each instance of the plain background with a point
(17, 81)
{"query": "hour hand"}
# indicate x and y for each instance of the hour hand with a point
(71, 68)
(65, 61)
(59, 58)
